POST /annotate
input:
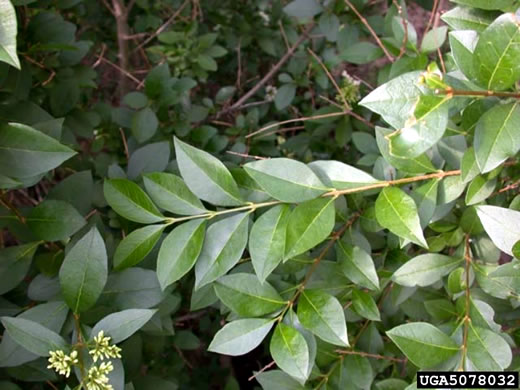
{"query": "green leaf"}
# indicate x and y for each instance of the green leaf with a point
(508, 277)
(415, 165)
(497, 135)
(423, 344)
(340, 175)
(359, 365)
(144, 124)
(397, 212)
(290, 351)
(303, 10)
(309, 224)
(135, 100)
(425, 196)
(245, 295)
(323, 315)
(486, 4)
(462, 43)
(284, 96)
(51, 315)
(425, 270)
(223, 246)
(179, 251)
(224, 94)
(26, 152)
(77, 189)
(466, 18)
(136, 246)
(54, 220)
(395, 100)
(170, 193)
(34, 337)
(497, 53)
(364, 305)
(121, 325)
(357, 265)
(361, 53)
(487, 350)
(149, 158)
(207, 63)
(434, 39)
(267, 240)
(8, 30)
(83, 273)
(15, 261)
(275, 380)
(241, 336)
(495, 219)
(130, 201)
(423, 129)
(132, 288)
(469, 167)
(479, 189)
(206, 176)
(285, 179)
(330, 26)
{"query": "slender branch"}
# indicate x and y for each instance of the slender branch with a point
(8, 205)
(432, 16)
(405, 27)
(332, 193)
(163, 26)
(372, 32)
(121, 16)
(245, 155)
(346, 106)
(80, 344)
(266, 367)
(369, 355)
(467, 319)
(271, 73)
(459, 92)
(309, 118)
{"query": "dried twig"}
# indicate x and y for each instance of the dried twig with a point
(371, 30)
(245, 155)
(163, 26)
(405, 27)
(271, 73)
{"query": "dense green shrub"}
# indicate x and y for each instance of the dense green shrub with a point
(285, 194)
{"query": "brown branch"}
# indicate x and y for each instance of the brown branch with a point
(467, 319)
(346, 106)
(121, 16)
(271, 73)
(245, 155)
(458, 92)
(405, 27)
(8, 205)
(163, 26)
(371, 30)
(266, 367)
(125, 144)
(369, 355)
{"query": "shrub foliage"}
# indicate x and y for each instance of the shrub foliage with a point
(288, 194)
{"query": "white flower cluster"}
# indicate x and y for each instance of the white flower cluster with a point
(270, 92)
(61, 362)
(349, 79)
(265, 17)
(97, 377)
(102, 348)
